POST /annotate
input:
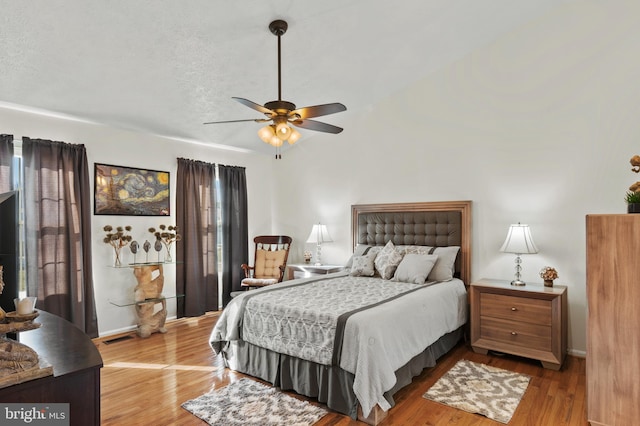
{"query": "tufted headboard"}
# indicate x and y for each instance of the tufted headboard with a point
(436, 224)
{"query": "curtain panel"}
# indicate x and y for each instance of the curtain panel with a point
(197, 253)
(58, 231)
(235, 234)
(6, 160)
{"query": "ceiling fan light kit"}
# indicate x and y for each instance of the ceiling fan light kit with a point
(283, 115)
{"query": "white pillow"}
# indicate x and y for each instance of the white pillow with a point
(387, 261)
(415, 268)
(414, 249)
(443, 269)
(362, 266)
(360, 250)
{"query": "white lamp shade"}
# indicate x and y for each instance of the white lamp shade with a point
(295, 135)
(283, 131)
(519, 240)
(319, 234)
(266, 133)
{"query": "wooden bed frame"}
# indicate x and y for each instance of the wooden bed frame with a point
(375, 224)
(463, 266)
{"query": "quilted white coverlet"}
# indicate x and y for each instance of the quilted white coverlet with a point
(303, 324)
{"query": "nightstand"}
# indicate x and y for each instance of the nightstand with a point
(305, 270)
(528, 321)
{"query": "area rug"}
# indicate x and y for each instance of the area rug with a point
(247, 402)
(482, 389)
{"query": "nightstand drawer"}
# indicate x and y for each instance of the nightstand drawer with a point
(528, 335)
(513, 308)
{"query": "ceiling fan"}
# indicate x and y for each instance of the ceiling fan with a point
(282, 115)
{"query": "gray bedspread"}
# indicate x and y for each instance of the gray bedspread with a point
(300, 318)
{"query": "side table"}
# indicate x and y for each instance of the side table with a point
(305, 270)
(528, 321)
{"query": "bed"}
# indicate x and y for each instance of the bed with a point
(336, 338)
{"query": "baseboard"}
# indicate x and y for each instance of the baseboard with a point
(575, 352)
(126, 329)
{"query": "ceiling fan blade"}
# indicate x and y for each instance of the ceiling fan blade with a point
(257, 120)
(318, 110)
(317, 126)
(254, 105)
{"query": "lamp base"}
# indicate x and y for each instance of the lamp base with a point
(518, 283)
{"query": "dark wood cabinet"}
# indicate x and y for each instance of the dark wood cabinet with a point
(76, 370)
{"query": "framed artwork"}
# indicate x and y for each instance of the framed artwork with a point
(130, 191)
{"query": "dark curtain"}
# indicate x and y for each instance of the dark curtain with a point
(196, 218)
(235, 244)
(58, 231)
(6, 159)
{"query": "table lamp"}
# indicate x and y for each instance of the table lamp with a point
(319, 235)
(519, 242)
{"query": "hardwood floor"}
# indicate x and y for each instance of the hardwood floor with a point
(144, 381)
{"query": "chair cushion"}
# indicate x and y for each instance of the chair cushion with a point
(268, 263)
(258, 282)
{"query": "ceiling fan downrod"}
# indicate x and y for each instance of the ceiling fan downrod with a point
(278, 28)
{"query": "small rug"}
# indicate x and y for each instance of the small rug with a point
(247, 402)
(479, 388)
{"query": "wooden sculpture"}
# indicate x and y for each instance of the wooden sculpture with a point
(151, 307)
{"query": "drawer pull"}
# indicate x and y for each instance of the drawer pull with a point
(514, 309)
(513, 333)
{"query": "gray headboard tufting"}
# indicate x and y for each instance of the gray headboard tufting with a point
(435, 224)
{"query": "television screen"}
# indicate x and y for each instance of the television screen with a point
(9, 248)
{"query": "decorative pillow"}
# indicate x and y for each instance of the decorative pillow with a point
(415, 268)
(387, 261)
(361, 249)
(362, 266)
(414, 249)
(443, 269)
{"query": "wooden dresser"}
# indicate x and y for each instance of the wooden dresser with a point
(613, 326)
(76, 370)
(529, 321)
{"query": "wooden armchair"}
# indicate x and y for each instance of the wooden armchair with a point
(270, 261)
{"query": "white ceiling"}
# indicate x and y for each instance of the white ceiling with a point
(164, 66)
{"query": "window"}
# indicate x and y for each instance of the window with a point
(18, 185)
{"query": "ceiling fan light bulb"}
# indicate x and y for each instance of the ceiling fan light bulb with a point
(283, 131)
(266, 133)
(294, 137)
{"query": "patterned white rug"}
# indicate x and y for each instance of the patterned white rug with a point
(482, 389)
(247, 402)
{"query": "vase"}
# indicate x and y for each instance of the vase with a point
(118, 260)
(548, 283)
(167, 245)
(633, 208)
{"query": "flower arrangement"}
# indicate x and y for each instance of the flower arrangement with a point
(167, 235)
(117, 238)
(632, 197)
(548, 274)
(307, 256)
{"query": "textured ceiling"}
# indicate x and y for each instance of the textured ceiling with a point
(165, 66)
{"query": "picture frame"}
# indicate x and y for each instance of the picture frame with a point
(130, 191)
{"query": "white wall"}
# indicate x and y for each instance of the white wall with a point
(537, 127)
(114, 146)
